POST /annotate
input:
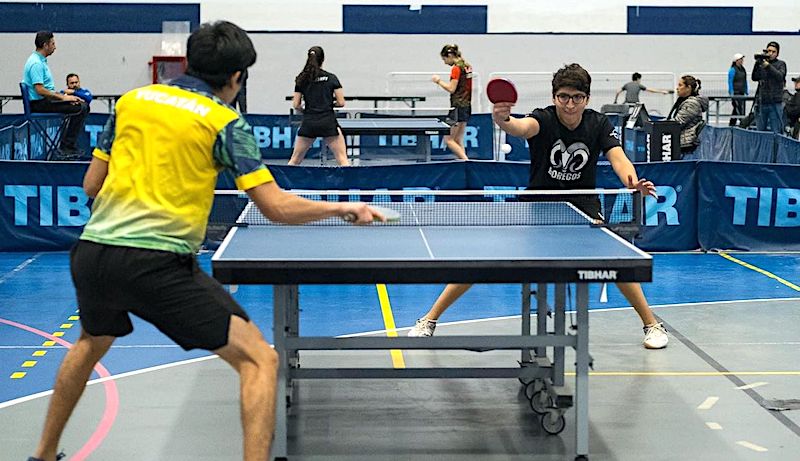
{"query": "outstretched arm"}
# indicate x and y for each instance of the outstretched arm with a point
(626, 172)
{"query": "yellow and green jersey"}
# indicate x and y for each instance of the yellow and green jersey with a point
(164, 145)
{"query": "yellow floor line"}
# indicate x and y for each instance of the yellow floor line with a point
(388, 323)
(760, 271)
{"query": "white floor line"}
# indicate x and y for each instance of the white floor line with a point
(592, 310)
(708, 403)
(27, 398)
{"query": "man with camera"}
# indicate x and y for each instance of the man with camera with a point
(770, 73)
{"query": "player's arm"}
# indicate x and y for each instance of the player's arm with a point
(525, 128)
(283, 207)
(98, 168)
(627, 173)
(338, 93)
(450, 86)
(297, 101)
(95, 176)
(656, 90)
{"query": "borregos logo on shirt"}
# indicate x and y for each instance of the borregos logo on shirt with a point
(566, 163)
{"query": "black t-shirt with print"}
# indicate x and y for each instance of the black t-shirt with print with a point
(318, 95)
(563, 159)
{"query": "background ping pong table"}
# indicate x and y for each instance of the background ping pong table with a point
(437, 242)
(422, 128)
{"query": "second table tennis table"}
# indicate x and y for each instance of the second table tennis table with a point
(490, 242)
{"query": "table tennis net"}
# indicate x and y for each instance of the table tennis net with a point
(459, 208)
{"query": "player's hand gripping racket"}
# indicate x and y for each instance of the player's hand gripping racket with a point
(501, 90)
(388, 213)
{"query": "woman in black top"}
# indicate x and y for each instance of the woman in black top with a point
(321, 92)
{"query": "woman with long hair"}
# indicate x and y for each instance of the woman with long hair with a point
(321, 91)
(460, 88)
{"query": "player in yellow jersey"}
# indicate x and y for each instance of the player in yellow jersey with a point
(153, 176)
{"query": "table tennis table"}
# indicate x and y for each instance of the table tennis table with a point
(422, 128)
(489, 242)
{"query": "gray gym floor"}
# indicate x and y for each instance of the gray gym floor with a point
(681, 403)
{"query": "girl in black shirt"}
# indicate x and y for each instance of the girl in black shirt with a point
(321, 92)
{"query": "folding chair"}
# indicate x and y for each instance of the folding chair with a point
(38, 120)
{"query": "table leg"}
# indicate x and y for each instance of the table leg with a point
(424, 146)
(559, 330)
(282, 296)
(541, 316)
(526, 320)
(582, 372)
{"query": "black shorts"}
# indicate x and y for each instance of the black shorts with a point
(319, 126)
(166, 289)
(459, 114)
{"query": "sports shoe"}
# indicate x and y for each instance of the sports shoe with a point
(423, 328)
(655, 336)
(58, 457)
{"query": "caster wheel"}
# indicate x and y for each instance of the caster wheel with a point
(533, 387)
(553, 421)
(541, 401)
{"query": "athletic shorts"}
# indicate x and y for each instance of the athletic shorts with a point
(319, 126)
(459, 114)
(166, 289)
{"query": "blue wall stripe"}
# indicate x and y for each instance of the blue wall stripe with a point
(95, 17)
(690, 20)
(398, 19)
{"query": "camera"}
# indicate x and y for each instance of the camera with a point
(761, 56)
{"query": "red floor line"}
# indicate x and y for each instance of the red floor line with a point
(112, 396)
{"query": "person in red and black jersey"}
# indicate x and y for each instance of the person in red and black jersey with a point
(460, 89)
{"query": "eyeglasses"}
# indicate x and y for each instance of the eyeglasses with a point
(564, 98)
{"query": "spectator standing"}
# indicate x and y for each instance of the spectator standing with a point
(737, 86)
(793, 109)
(770, 73)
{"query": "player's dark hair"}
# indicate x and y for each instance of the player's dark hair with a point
(310, 72)
(636, 76)
(693, 83)
(42, 37)
(572, 76)
(71, 75)
(217, 50)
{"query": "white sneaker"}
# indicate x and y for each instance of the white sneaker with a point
(655, 336)
(423, 328)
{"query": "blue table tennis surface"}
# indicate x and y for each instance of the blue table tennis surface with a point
(403, 243)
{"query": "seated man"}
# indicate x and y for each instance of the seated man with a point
(45, 98)
(74, 88)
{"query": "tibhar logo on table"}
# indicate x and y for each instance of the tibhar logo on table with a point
(597, 275)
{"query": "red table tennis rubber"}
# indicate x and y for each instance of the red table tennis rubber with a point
(501, 90)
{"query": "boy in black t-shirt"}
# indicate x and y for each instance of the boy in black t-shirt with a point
(565, 141)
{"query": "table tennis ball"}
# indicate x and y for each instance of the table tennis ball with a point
(505, 148)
